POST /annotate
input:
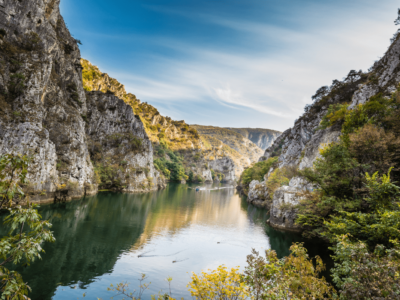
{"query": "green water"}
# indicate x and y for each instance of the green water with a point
(112, 238)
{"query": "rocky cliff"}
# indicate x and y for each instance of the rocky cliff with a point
(300, 145)
(43, 104)
(181, 153)
(263, 138)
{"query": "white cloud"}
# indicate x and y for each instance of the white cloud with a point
(275, 73)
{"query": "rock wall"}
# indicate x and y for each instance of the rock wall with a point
(113, 127)
(42, 100)
(299, 146)
(263, 138)
(225, 166)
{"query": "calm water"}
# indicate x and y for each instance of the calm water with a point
(112, 238)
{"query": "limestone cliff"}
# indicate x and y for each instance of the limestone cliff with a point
(263, 138)
(117, 140)
(43, 106)
(240, 150)
(180, 152)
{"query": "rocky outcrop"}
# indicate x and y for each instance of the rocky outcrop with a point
(113, 128)
(226, 166)
(300, 145)
(43, 106)
(283, 211)
(258, 194)
(207, 176)
(42, 98)
(263, 138)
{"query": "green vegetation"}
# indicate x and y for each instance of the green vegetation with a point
(23, 244)
(356, 203)
(173, 168)
(257, 171)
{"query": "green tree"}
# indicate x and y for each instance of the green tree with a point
(23, 244)
(293, 277)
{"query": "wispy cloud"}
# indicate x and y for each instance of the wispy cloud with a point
(265, 67)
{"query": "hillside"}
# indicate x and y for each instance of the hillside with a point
(247, 149)
(263, 138)
(77, 141)
(180, 152)
(322, 165)
(176, 134)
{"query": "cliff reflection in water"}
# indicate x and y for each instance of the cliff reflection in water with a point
(106, 233)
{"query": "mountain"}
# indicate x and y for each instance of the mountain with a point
(181, 153)
(358, 116)
(77, 140)
(263, 138)
(246, 148)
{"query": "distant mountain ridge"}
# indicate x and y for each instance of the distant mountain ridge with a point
(263, 138)
(234, 140)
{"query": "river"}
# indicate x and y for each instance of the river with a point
(111, 238)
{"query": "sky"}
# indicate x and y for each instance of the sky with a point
(230, 63)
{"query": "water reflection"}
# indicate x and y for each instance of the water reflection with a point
(112, 237)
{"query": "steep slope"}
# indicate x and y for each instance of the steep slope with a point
(180, 152)
(361, 96)
(263, 138)
(43, 105)
(176, 134)
(234, 140)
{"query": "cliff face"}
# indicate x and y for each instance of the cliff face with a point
(42, 100)
(117, 140)
(188, 149)
(299, 146)
(263, 138)
(226, 143)
(177, 134)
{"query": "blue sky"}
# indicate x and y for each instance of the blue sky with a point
(232, 63)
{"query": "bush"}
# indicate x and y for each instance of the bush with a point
(218, 284)
(257, 171)
(294, 277)
(17, 84)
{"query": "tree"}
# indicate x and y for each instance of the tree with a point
(320, 93)
(219, 284)
(360, 274)
(23, 244)
(293, 277)
(397, 21)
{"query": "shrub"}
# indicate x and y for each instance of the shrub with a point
(17, 84)
(218, 284)
(294, 277)
(31, 41)
(68, 49)
(257, 171)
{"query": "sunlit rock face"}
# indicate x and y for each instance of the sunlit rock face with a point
(226, 166)
(263, 138)
(112, 125)
(42, 97)
(43, 105)
(300, 145)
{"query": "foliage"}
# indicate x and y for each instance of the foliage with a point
(73, 90)
(257, 171)
(13, 172)
(360, 274)
(173, 168)
(27, 232)
(17, 84)
(221, 284)
(380, 224)
(31, 41)
(293, 277)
